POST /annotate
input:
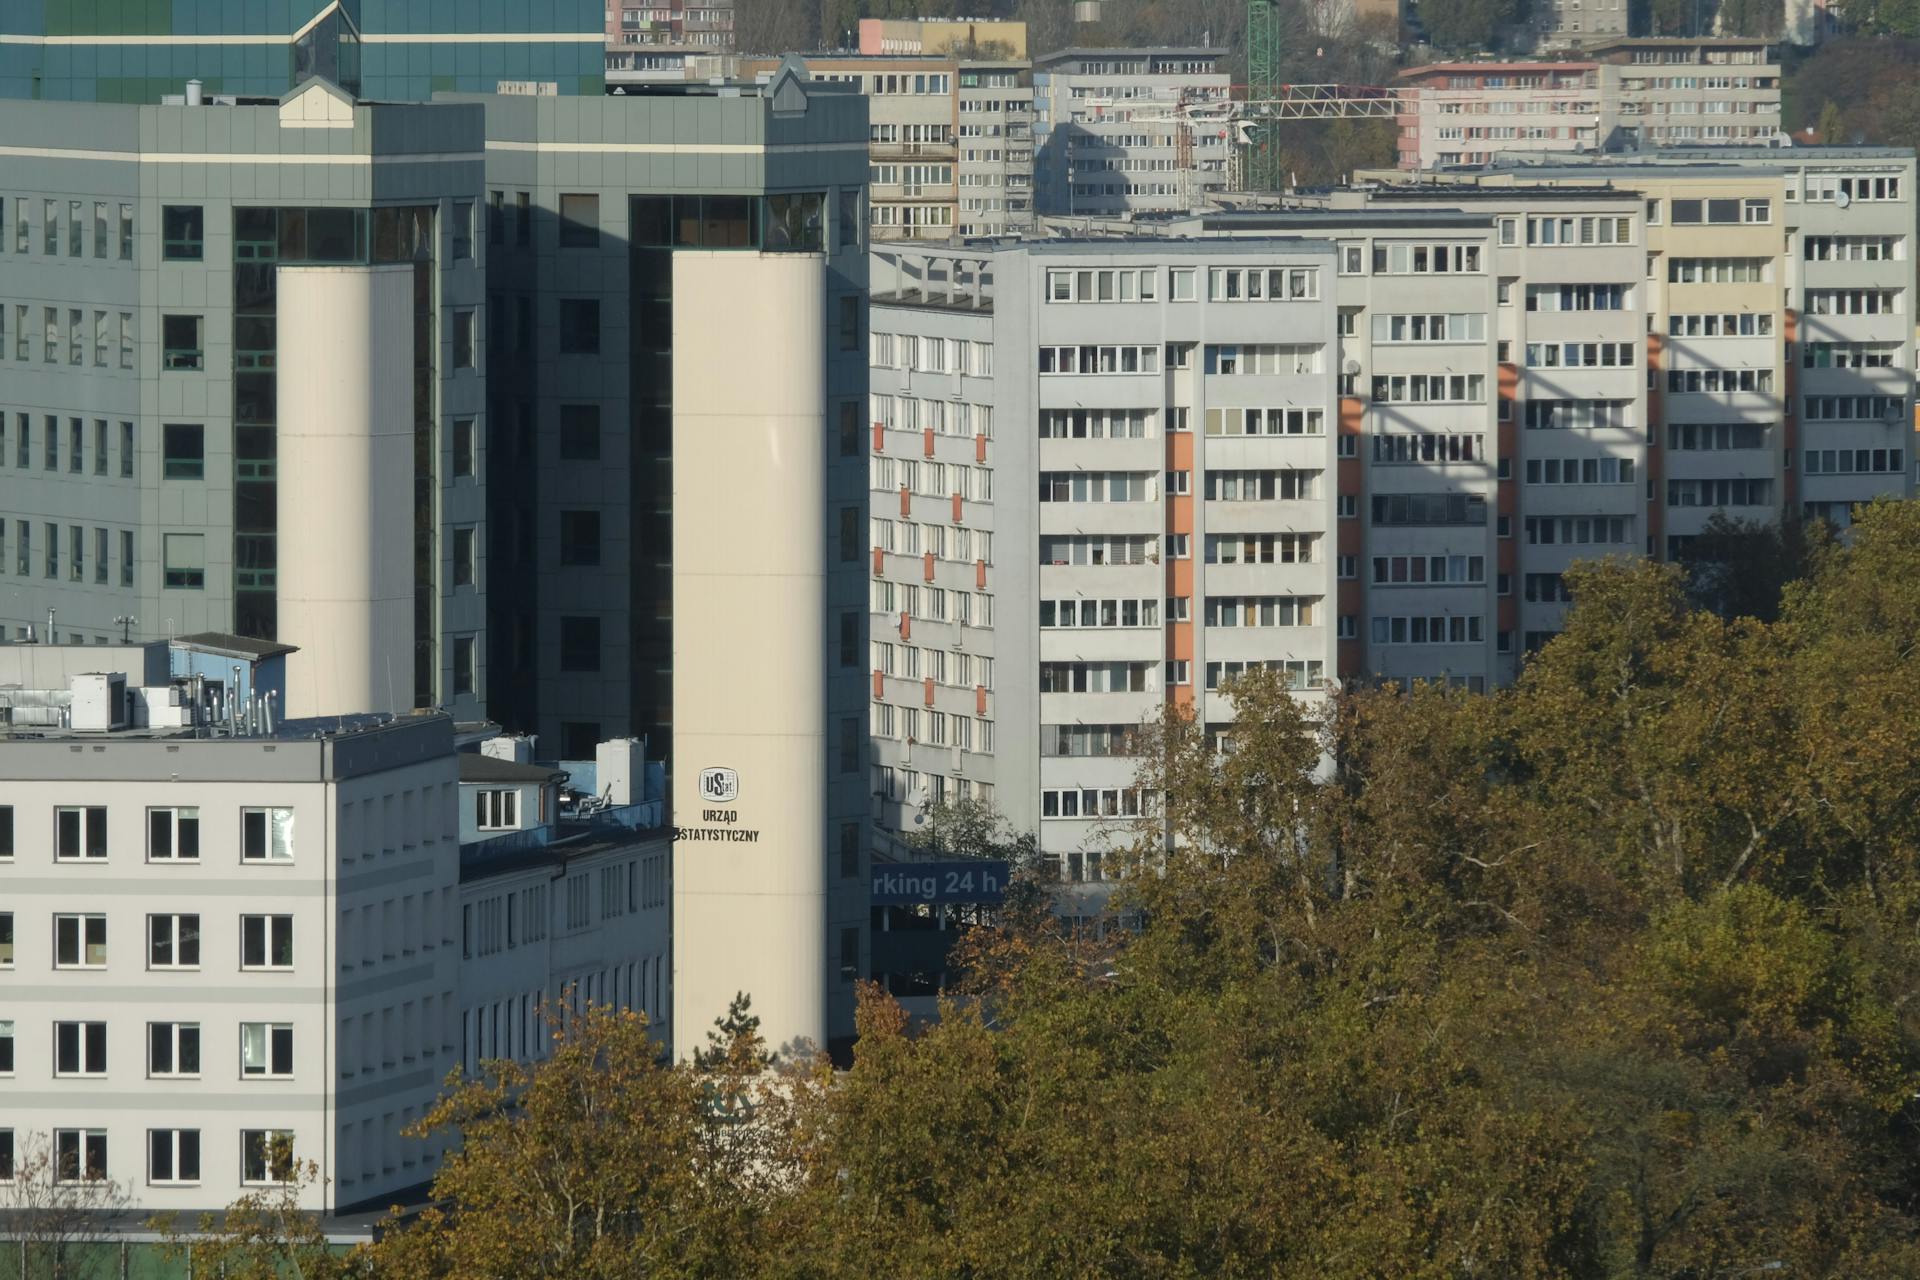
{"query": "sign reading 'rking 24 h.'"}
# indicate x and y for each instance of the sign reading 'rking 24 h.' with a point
(900, 884)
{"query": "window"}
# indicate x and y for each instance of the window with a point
(173, 942)
(80, 833)
(579, 221)
(463, 337)
(464, 446)
(79, 1155)
(266, 1156)
(173, 1048)
(579, 326)
(496, 810)
(6, 1058)
(266, 942)
(580, 432)
(266, 1050)
(80, 942)
(462, 229)
(126, 233)
(126, 557)
(579, 537)
(579, 644)
(849, 322)
(184, 456)
(186, 561)
(180, 342)
(79, 1048)
(464, 648)
(6, 939)
(173, 1157)
(465, 555)
(266, 835)
(182, 232)
(849, 954)
(522, 219)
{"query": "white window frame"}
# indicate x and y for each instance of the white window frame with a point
(174, 1038)
(269, 926)
(264, 1034)
(80, 921)
(278, 847)
(173, 922)
(173, 1150)
(497, 809)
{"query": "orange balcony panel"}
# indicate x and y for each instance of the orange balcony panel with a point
(979, 699)
(1348, 477)
(879, 684)
(1508, 614)
(1180, 577)
(927, 690)
(926, 567)
(1180, 640)
(1504, 499)
(1347, 537)
(879, 437)
(1182, 695)
(906, 626)
(979, 575)
(959, 516)
(1180, 514)
(906, 503)
(879, 561)
(979, 448)
(1350, 596)
(926, 442)
(1180, 451)
(1506, 555)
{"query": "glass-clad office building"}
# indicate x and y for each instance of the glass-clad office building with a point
(382, 50)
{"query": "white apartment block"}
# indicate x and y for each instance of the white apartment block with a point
(211, 941)
(1107, 136)
(1778, 287)
(1616, 95)
(1102, 480)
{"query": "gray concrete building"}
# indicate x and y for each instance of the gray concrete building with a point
(201, 300)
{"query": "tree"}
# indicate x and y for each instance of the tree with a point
(62, 1218)
(266, 1234)
(1739, 568)
(589, 1164)
(1758, 18)
(777, 27)
(1832, 127)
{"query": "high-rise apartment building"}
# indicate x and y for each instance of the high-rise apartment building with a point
(384, 50)
(1102, 479)
(1779, 294)
(1107, 141)
(242, 384)
(676, 284)
(1617, 95)
(949, 140)
(1715, 91)
(636, 32)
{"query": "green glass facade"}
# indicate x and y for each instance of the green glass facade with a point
(383, 50)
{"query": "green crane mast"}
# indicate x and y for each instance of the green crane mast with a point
(1262, 165)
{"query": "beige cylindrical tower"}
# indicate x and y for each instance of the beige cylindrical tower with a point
(749, 654)
(346, 487)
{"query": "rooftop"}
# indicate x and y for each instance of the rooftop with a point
(228, 645)
(1165, 51)
(1502, 68)
(475, 767)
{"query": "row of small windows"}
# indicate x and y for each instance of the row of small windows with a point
(76, 552)
(172, 834)
(64, 336)
(109, 232)
(79, 941)
(173, 1156)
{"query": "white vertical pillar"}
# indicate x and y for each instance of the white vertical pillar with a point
(749, 652)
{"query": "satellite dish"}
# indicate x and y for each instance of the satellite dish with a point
(1351, 366)
(1842, 199)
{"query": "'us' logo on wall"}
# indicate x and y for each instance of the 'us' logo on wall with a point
(719, 785)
